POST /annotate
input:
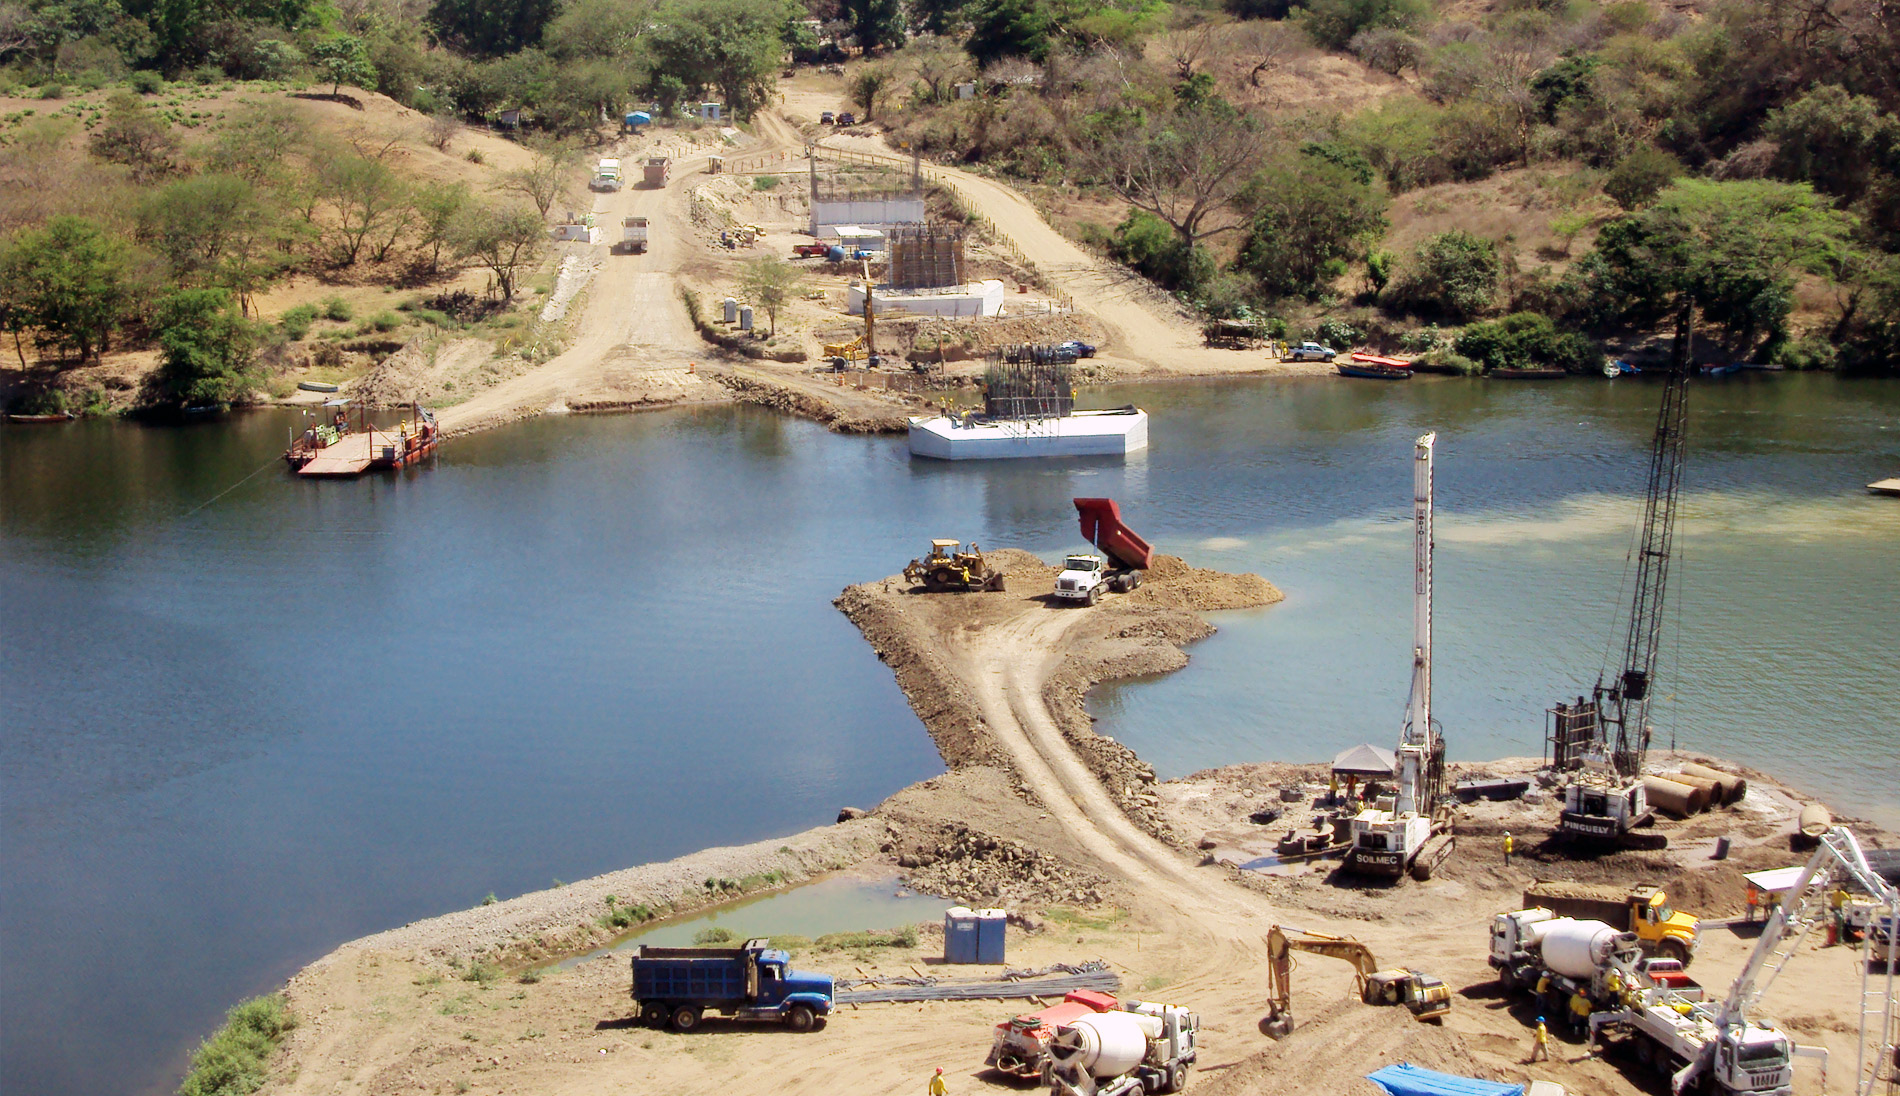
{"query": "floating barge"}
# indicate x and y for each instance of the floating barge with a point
(336, 448)
(1109, 433)
(1029, 411)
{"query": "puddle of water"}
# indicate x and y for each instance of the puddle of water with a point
(846, 903)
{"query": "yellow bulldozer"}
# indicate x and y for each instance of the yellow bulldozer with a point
(1426, 996)
(949, 567)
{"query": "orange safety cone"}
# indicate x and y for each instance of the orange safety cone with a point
(692, 367)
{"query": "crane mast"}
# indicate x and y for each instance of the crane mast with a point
(1624, 700)
(1420, 764)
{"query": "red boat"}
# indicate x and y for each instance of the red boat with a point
(1374, 367)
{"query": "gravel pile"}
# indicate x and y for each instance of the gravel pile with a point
(976, 868)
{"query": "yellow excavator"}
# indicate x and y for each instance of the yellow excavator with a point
(1426, 996)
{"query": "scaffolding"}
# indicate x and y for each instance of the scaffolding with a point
(1028, 390)
(926, 256)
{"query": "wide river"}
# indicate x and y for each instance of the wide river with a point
(246, 719)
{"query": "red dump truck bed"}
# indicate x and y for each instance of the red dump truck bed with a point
(1102, 526)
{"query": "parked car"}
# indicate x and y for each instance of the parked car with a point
(1311, 352)
(827, 118)
(1077, 347)
(847, 119)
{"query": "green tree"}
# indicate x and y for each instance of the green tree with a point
(548, 174)
(365, 197)
(768, 282)
(599, 30)
(867, 85)
(1729, 250)
(133, 134)
(1154, 249)
(943, 18)
(1832, 138)
(343, 59)
(438, 206)
(207, 349)
(733, 46)
(1637, 178)
(503, 239)
(1007, 28)
(70, 281)
(1526, 339)
(1453, 272)
(1308, 216)
(492, 28)
(876, 23)
(1333, 23)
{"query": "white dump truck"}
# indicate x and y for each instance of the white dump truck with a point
(633, 235)
(607, 175)
(1143, 1047)
(1124, 555)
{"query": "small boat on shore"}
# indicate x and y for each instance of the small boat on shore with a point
(1538, 374)
(39, 418)
(1886, 486)
(1620, 368)
(316, 386)
(1718, 369)
(1374, 367)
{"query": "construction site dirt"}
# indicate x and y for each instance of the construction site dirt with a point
(1093, 857)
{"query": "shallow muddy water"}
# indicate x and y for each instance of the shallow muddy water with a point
(242, 728)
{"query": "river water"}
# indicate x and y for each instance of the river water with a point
(249, 718)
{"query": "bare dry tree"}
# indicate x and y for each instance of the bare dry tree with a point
(444, 127)
(1186, 44)
(548, 175)
(1182, 167)
(1269, 44)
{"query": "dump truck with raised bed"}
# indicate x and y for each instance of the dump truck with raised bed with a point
(1124, 555)
(676, 987)
(1641, 909)
(1021, 1044)
(1142, 1047)
(949, 567)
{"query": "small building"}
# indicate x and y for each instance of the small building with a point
(966, 90)
(510, 118)
(983, 298)
(576, 228)
(711, 112)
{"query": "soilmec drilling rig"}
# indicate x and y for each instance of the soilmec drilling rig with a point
(1415, 833)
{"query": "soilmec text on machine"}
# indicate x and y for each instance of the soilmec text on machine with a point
(1124, 555)
(949, 567)
(676, 987)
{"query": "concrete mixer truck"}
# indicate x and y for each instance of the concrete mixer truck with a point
(1562, 957)
(1142, 1047)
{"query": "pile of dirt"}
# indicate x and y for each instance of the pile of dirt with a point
(981, 869)
(433, 371)
(1709, 892)
(1171, 583)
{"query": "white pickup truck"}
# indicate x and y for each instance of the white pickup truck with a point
(1084, 576)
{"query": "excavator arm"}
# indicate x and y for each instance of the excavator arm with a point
(1280, 948)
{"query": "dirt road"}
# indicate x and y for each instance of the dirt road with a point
(1151, 333)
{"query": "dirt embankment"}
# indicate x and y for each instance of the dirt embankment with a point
(843, 410)
(1130, 635)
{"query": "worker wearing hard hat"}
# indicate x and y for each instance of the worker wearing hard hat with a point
(1540, 1042)
(937, 1087)
(1510, 846)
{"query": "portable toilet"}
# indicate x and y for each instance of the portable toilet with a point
(989, 935)
(959, 935)
(745, 317)
(732, 310)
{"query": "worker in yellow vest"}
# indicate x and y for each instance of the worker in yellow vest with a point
(1510, 846)
(1540, 1042)
(937, 1087)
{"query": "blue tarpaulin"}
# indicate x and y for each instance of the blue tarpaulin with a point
(1406, 1079)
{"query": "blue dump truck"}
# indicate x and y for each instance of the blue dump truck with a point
(677, 986)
